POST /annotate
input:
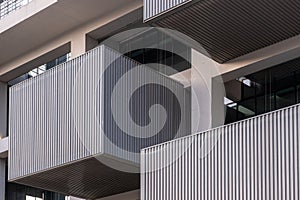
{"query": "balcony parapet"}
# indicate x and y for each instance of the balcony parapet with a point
(9, 6)
(259, 156)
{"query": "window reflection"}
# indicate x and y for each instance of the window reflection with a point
(40, 69)
(264, 91)
(155, 52)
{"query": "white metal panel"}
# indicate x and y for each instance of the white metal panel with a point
(257, 158)
(43, 115)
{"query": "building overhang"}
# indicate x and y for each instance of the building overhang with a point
(35, 24)
(229, 29)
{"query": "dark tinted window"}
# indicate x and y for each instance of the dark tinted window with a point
(264, 91)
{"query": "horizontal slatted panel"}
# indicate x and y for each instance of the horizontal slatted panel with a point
(257, 158)
(153, 8)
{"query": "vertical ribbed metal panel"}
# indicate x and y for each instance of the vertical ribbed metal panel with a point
(149, 88)
(257, 158)
(64, 115)
(43, 114)
(153, 8)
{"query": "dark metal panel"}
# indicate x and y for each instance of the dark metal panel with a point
(229, 29)
(87, 178)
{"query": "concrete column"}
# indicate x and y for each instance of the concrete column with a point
(90, 43)
(3, 110)
(207, 92)
(81, 43)
(78, 44)
(3, 133)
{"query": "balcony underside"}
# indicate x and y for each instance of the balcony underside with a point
(87, 178)
(229, 29)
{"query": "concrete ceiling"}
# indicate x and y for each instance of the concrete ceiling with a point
(52, 22)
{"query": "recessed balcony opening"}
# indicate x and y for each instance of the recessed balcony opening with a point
(41, 69)
(159, 49)
(263, 91)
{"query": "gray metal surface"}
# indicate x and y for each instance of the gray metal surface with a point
(152, 8)
(230, 28)
(65, 116)
(258, 158)
(42, 116)
(88, 179)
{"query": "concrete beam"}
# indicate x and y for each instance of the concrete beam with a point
(4, 148)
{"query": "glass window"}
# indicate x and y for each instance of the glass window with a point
(41, 69)
(264, 91)
(154, 47)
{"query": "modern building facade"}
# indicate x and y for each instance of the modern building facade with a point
(149, 99)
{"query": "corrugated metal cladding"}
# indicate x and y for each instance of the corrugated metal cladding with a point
(257, 158)
(228, 29)
(65, 115)
(152, 89)
(152, 8)
(42, 117)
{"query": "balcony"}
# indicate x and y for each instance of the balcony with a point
(258, 158)
(76, 129)
(8, 6)
(227, 29)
